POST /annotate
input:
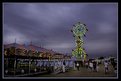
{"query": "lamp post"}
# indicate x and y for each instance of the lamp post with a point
(15, 58)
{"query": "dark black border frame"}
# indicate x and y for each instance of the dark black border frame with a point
(62, 1)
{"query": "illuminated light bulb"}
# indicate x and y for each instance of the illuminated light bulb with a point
(35, 69)
(6, 71)
(22, 71)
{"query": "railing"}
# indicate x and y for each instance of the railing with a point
(28, 66)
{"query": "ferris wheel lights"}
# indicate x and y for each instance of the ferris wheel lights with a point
(87, 29)
(84, 35)
(78, 32)
(84, 24)
(79, 37)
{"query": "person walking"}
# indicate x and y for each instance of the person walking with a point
(63, 67)
(91, 66)
(86, 64)
(94, 66)
(77, 66)
(97, 67)
(106, 67)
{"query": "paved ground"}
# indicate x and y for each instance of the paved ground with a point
(84, 72)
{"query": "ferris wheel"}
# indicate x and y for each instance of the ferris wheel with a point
(79, 30)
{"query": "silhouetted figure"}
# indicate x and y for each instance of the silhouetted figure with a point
(97, 67)
(106, 67)
(86, 64)
(94, 65)
(91, 66)
(63, 66)
(81, 62)
(113, 63)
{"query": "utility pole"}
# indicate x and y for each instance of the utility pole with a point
(15, 58)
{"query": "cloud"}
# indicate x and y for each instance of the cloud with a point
(100, 46)
(49, 25)
(105, 28)
(11, 34)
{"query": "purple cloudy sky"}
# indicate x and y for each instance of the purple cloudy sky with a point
(49, 25)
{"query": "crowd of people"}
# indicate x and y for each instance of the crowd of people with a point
(94, 66)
